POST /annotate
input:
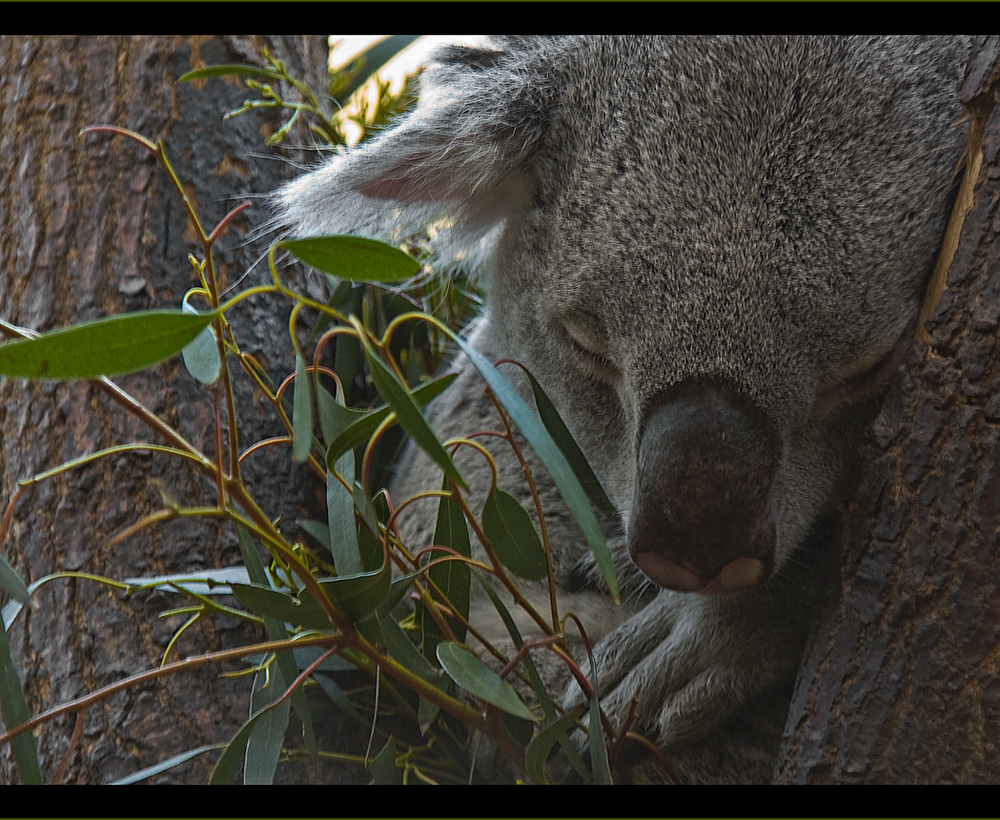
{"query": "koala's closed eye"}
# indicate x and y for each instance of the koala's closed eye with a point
(588, 347)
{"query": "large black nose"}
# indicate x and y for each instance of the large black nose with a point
(701, 515)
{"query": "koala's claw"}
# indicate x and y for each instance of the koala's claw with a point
(687, 665)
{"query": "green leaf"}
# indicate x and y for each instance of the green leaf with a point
(565, 441)
(452, 577)
(598, 749)
(340, 512)
(166, 765)
(553, 459)
(14, 710)
(353, 257)
(11, 583)
(372, 59)
(538, 750)
(225, 70)
(476, 678)
(398, 397)
(301, 412)
(512, 534)
(104, 347)
(360, 429)
(201, 357)
(268, 733)
(276, 631)
(303, 611)
(334, 417)
(383, 767)
(225, 766)
(360, 595)
(404, 652)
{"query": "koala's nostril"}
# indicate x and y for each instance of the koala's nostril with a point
(742, 573)
(666, 573)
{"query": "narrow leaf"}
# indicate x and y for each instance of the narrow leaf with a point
(513, 536)
(11, 583)
(225, 766)
(476, 678)
(373, 58)
(565, 441)
(334, 417)
(225, 70)
(362, 594)
(353, 257)
(104, 347)
(398, 397)
(383, 766)
(14, 710)
(360, 429)
(598, 749)
(166, 765)
(452, 577)
(553, 459)
(268, 733)
(301, 412)
(538, 750)
(340, 515)
(304, 611)
(404, 652)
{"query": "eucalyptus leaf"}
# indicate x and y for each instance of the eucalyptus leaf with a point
(542, 744)
(364, 423)
(308, 610)
(11, 583)
(229, 69)
(163, 766)
(453, 576)
(383, 767)
(360, 595)
(303, 611)
(201, 356)
(226, 765)
(301, 412)
(398, 397)
(340, 516)
(104, 347)
(512, 533)
(268, 733)
(353, 257)
(565, 441)
(14, 710)
(476, 678)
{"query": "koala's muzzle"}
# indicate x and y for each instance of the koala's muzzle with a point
(701, 516)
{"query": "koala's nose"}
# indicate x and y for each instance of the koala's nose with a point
(701, 516)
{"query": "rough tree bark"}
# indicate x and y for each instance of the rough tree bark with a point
(89, 226)
(902, 681)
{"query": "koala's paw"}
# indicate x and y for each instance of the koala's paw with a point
(690, 663)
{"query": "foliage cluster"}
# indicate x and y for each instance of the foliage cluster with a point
(345, 602)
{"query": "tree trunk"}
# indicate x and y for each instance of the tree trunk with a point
(89, 226)
(901, 683)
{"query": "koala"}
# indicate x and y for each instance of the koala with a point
(710, 252)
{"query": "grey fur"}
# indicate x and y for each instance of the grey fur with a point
(753, 216)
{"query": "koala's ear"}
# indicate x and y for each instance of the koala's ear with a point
(465, 150)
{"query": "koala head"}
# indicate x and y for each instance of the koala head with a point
(709, 251)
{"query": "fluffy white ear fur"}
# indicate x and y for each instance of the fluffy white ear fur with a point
(441, 161)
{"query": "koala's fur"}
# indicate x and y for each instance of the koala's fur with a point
(682, 236)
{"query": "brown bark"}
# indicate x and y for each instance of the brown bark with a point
(902, 681)
(89, 226)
